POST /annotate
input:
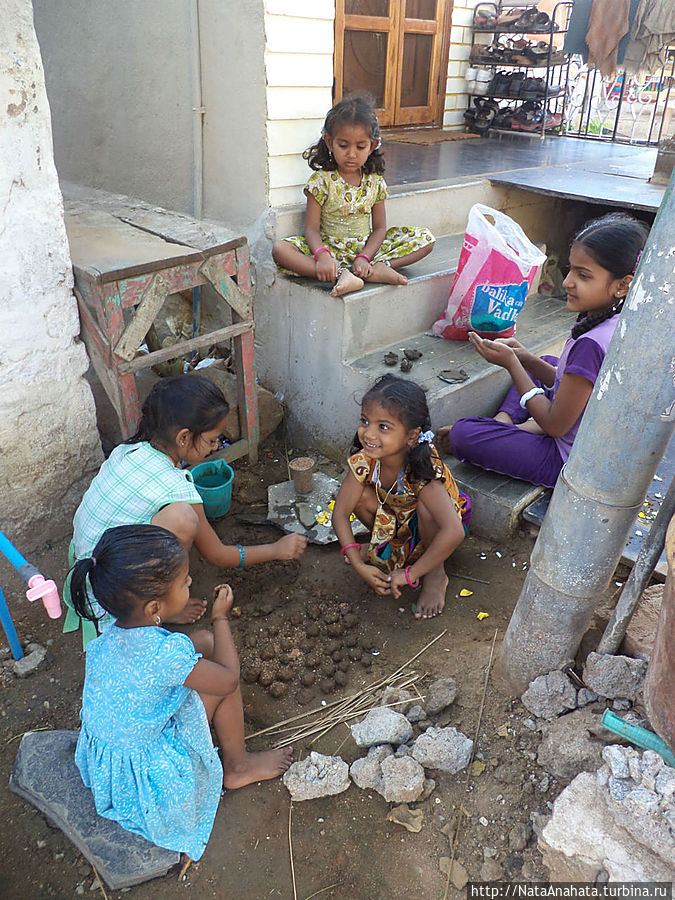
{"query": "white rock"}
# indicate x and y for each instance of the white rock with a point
(382, 726)
(402, 779)
(28, 664)
(443, 748)
(366, 772)
(550, 695)
(440, 695)
(317, 776)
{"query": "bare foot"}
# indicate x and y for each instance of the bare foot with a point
(442, 439)
(383, 274)
(194, 610)
(257, 767)
(432, 599)
(347, 281)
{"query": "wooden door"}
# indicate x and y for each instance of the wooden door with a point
(395, 50)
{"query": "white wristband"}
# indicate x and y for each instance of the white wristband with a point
(528, 395)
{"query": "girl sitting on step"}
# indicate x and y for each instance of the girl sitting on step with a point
(404, 494)
(346, 240)
(145, 747)
(143, 481)
(532, 434)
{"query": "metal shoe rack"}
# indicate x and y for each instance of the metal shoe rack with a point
(550, 69)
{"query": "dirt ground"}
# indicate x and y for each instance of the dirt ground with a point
(343, 847)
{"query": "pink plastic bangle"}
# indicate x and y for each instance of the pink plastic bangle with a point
(413, 584)
(364, 255)
(346, 547)
(320, 250)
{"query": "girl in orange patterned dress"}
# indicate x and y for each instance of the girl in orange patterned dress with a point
(400, 489)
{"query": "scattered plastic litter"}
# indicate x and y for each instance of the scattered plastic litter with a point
(482, 615)
(498, 554)
(465, 592)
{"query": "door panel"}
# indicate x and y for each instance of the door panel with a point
(392, 49)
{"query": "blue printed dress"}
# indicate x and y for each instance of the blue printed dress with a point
(145, 746)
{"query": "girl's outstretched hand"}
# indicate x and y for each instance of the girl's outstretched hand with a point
(291, 546)
(326, 267)
(223, 598)
(377, 580)
(497, 353)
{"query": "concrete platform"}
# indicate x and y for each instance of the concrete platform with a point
(45, 775)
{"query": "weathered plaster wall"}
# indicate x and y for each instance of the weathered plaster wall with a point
(49, 445)
(120, 84)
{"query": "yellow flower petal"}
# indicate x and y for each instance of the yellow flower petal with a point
(465, 593)
(331, 505)
(482, 615)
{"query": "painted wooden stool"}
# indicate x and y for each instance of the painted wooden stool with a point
(127, 258)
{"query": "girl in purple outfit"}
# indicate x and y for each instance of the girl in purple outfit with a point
(532, 434)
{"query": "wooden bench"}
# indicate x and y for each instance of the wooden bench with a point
(127, 258)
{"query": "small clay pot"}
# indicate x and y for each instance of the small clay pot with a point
(340, 678)
(302, 470)
(295, 618)
(267, 652)
(307, 678)
(343, 665)
(351, 640)
(335, 629)
(307, 644)
(327, 685)
(305, 696)
(313, 658)
(251, 641)
(313, 629)
(285, 673)
(337, 655)
(327, 668)
(332, 645)
(285, 658)
(314, 610)
(330, 616)
(350, 620)
(278, 689)
(286, 643)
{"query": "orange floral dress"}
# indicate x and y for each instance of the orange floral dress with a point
(395, 541)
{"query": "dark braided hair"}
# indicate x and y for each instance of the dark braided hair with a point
(130, 565)
(183, 401)
(408, 403)
(615, 242)
(356, 109)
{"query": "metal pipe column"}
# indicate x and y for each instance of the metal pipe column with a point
(623, 435)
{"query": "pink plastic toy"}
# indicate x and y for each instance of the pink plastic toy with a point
(40, 588)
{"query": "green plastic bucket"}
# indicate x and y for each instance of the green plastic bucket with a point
(214, 480)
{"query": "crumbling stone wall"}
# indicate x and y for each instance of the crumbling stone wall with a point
(49, 444)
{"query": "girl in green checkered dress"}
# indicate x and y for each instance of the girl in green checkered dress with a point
(346, 240)
(144, 482)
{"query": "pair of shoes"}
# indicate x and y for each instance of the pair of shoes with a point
(480, 118)
(477, 81)
(529, 21)
(506, 84)
(485, 15)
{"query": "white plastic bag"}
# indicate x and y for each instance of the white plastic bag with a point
(497, 266)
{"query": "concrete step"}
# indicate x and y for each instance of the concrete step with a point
(542, 326)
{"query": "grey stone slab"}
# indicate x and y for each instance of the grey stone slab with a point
(46, 776)
(289, 509)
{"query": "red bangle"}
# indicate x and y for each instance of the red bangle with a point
(348, 547)
(364, 255)
(320, 250)
(413, 584)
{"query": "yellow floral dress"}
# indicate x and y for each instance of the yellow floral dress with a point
(395, 541)
(346, 222)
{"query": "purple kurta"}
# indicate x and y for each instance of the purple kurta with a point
(505, 448)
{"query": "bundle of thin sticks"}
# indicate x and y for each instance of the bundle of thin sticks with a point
(316, 723)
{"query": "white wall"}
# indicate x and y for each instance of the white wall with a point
(299, 66)
(456, 98)
(120, 84)
(49, 446)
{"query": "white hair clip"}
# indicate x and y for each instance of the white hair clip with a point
(425, 437)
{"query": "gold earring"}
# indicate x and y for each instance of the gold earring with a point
(158, 620)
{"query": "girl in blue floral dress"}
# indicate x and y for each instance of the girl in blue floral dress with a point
(145, 746)
(346, 240)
